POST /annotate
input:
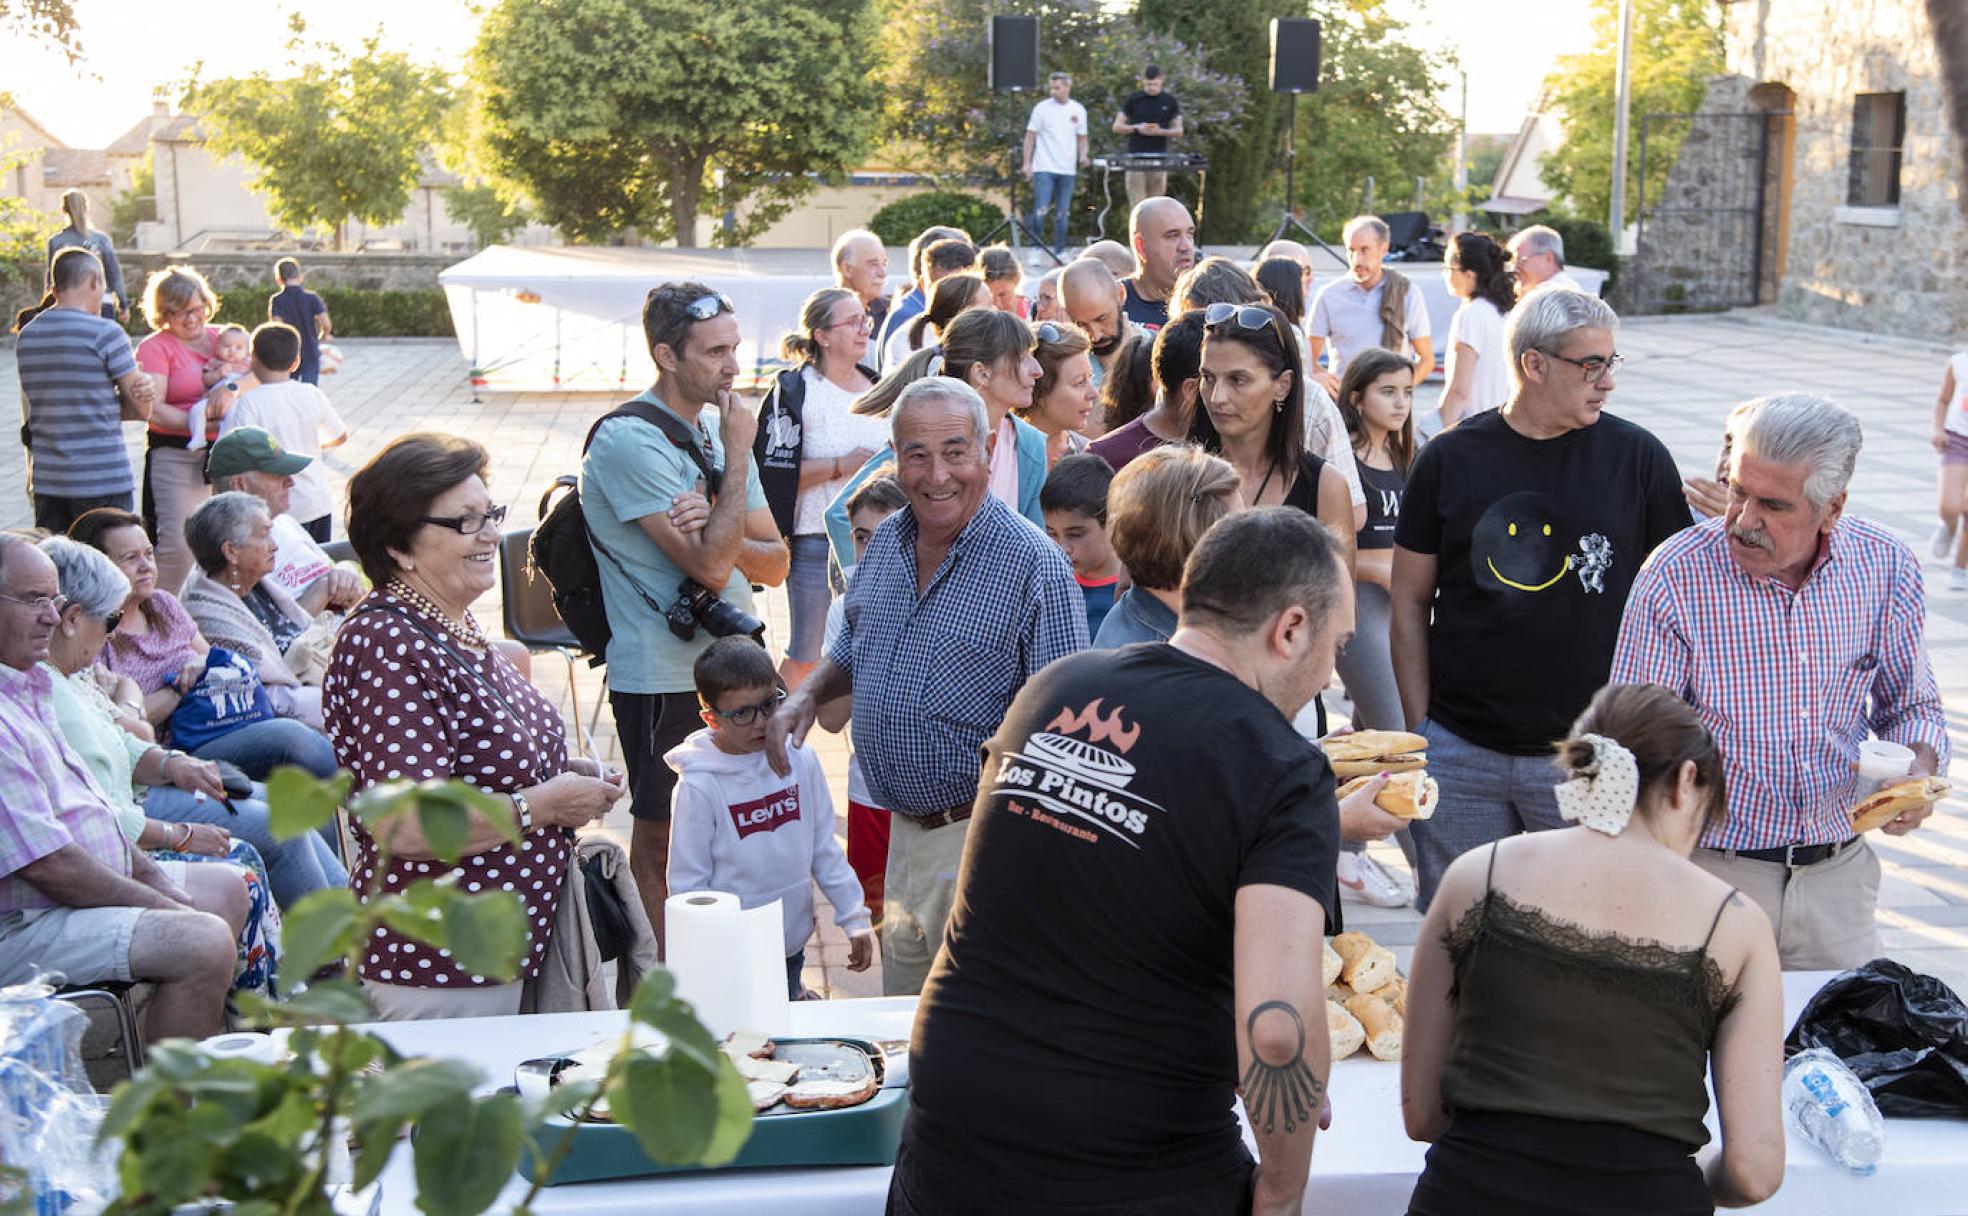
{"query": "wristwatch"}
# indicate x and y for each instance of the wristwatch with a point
(523, 810)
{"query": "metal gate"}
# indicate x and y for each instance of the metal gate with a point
(1707, 229)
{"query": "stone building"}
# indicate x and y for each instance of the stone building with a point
(1819, 176)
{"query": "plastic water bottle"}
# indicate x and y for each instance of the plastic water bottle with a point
(1826, 1102)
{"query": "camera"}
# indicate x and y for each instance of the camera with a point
(697, 605)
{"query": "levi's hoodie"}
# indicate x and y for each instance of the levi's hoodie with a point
(739, 827)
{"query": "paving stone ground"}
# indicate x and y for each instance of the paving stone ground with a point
(1681, 378)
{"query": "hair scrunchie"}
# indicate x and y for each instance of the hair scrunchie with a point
(1601, 794)
(935, 367)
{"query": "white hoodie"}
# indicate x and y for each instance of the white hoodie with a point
(737, 826)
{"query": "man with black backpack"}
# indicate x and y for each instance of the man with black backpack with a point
(673, 579)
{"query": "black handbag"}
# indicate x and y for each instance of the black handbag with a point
(608, 915)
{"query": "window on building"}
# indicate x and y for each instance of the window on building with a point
(1878, 130)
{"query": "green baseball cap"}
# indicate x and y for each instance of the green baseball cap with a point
(252, 450)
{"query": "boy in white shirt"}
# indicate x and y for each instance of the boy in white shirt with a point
(737, 826)
(296, 414)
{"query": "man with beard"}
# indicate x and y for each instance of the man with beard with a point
(1795, 632)
(1096, 302)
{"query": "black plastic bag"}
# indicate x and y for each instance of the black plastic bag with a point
(1904, 1034)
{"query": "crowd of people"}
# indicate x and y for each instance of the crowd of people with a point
(1114, 538)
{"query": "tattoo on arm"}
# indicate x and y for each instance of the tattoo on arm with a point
(1285, 1087)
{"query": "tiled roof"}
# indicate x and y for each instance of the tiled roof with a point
(66, 167)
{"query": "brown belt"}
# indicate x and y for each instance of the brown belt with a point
(940, 819)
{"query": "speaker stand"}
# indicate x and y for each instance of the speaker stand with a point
(1287, 221)
(1012, 226)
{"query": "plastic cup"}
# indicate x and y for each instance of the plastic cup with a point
(1882, 763)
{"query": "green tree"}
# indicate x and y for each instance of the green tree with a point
(1677, 46)
(1235, 41)
(342, 137)
(637, 115)
(942, 118)
(490, 215)
(135, 205)
(1374, 115)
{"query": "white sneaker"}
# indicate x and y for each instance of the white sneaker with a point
(1362, 881)
(1958, 579)
(1942, 542)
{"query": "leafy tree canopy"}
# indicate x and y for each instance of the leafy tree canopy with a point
(1677, 46)
(636, 115)
(342, 136)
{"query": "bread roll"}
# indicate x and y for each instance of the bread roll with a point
(1405, 762)
(1888, 803)
(1395, 993)
(1339, 993)
(1366, 966)
(1329, 964)
(1366, 744)
(1381, 1024)
(1345, 1032)
(1408, 795)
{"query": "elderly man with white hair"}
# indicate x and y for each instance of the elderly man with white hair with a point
(1796, 632)
(1537, 258)
(955, 603)
(1367, 308)
(861, 266)
(1520, 534)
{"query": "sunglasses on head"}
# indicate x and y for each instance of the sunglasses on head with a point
(1247, 316)
(703, 308)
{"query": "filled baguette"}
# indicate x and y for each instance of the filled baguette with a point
(1408, 795)
(1362, 753)
(1885, 805)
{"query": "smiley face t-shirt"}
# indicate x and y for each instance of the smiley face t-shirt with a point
(1536, 542)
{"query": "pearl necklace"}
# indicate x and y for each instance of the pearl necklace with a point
(466, 631)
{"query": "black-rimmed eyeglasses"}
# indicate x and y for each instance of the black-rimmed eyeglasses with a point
(1595, 367)
(471, 523)
(745, 715)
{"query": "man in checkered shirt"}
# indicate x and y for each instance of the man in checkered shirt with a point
(956, 602)
(1795, 632)
(75, 896)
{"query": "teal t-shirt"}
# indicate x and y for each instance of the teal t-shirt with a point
(632, 470)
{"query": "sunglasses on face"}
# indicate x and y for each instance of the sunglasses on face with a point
(111, 621)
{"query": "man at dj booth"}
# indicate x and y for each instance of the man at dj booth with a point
(1149, 118)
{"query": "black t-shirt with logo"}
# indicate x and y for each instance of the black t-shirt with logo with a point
(1383, 488)
(1159, 109)
(1076, 1038)
(1536, 542)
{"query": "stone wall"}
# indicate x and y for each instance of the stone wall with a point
(1903, 272)
(1692, 256)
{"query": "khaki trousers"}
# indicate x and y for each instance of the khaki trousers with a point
(402, 1003)
(177, 487)
(1823, 914)
(920, 888)
(1146, 185)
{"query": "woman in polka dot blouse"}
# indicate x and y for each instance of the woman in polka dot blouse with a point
(416, 692)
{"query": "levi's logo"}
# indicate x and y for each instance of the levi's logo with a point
(766, 814)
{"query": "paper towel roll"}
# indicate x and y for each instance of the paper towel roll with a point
(729, 962)
(259, 1048)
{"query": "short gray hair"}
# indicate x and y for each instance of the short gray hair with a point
(1372, 222)
(939, 388)
(1539, 238)
(1542, 319)
(87, 576)
(221, 520)
(1801, 429)
(845, 241)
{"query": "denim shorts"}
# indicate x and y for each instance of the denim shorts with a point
(807, 594)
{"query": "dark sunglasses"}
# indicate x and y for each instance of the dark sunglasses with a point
(111, 621)
(703, 308)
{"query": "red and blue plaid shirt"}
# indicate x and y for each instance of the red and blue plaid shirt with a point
(1788, 682)
(47, 798)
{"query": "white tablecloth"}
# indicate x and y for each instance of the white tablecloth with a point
(1364, 1164)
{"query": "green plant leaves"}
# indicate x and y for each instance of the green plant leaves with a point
(298, 802)
(414, 1087)
(331, 1001)
(682, 1108)
(321, 926)
(465, 1154)
(487, 933)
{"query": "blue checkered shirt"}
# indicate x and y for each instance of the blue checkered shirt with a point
(934, 674)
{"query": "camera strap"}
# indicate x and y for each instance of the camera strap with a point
(679, 434)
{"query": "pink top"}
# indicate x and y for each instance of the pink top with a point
(400, 707)
(48, 800)
(164, 354)
(150, 657)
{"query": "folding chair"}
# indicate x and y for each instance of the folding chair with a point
(532, 620)
(115, 997)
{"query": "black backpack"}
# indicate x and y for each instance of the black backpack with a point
(563, 551)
